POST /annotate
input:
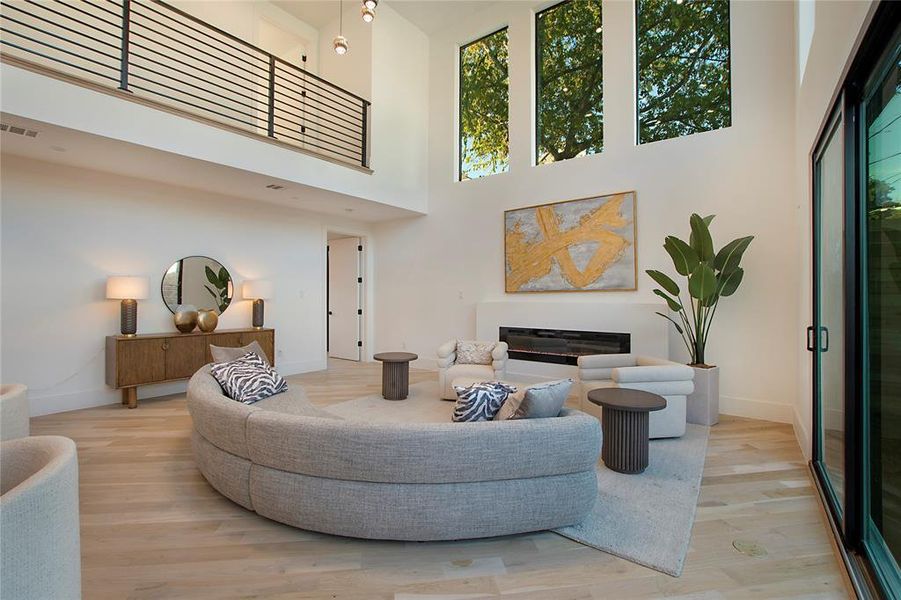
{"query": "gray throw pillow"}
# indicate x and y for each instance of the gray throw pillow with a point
(223, 354)
(536, 402)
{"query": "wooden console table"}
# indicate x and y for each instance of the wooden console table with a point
(161, 357)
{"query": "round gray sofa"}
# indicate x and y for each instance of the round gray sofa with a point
(292, 462)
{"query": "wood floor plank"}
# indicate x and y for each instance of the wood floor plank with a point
(152, 528)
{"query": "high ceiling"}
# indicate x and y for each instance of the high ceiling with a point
(429, 15)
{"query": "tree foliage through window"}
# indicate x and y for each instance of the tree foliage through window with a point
(484, 106)
(683, 67)
(570, 90)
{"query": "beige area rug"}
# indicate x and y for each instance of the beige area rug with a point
(422, 405)
(645, 518)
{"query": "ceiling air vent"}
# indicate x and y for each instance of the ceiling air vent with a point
(18, 130)
(275, 186)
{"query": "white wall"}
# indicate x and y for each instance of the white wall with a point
(64, 230)
(836, 31)
(433, 270)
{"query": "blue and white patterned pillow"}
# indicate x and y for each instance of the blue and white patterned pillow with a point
(248, 379)
(480, 401)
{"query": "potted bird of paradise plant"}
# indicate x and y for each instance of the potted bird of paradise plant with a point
(710, 276)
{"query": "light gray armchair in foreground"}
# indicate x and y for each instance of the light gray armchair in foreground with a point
(40, 555)
(448, 369)
(671, 380)
(14, 417)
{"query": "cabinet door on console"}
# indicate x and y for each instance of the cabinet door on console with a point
(225, 340)
(266, 339)
(140, 361)
(184, 356)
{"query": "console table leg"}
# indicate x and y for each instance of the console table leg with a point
(130, 397)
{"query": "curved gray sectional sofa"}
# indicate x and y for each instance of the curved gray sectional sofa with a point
(292, 462)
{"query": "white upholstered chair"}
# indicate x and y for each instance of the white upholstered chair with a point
(14, 415)
(40, 555)
(448, 369)
(671, 380)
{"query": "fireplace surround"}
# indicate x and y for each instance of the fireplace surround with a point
(561, 346)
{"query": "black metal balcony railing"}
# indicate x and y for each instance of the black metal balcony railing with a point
(162, 54)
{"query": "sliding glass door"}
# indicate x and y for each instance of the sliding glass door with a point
(855, 336)
(825, 338)
(881, 119)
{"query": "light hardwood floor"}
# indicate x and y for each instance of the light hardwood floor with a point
(152, 527)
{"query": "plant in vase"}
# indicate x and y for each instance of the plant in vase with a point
(711, 275)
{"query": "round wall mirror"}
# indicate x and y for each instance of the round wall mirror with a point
(200, 281)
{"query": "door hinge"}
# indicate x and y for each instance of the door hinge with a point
(359, 280)
(359, 248)
(359, 311)
(360, 344)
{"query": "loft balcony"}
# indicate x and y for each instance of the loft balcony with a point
(150, 52)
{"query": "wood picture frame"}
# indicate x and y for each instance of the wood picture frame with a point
(582, 245)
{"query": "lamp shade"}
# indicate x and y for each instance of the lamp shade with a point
(258, 289)
(127, 288)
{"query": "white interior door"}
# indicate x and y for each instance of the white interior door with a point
(344, 298)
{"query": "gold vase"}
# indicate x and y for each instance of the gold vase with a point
(207, 320)
(185, 318)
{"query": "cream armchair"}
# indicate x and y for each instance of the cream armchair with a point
(671, 380)
(448, 370)
(40, 557)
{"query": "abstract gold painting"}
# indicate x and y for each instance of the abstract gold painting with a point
(584, 245)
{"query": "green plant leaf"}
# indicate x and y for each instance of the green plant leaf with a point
(729, 256)
(673, 304)
(677, 326)
(707, 220)
(211, 276)
(223, 277)
(702, 283)
(685, 259)
(731, 282)
(664, 281)
(700, 239)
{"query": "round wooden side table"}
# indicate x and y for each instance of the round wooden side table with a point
(624, 421)
(395, 373)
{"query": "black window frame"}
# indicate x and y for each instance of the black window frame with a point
(637, 99)
(537, 67)
(460, 51)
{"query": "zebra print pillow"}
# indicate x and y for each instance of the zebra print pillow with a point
(480, 401)
(248, 379)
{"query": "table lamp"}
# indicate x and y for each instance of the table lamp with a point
(129, 290)
(257, 290)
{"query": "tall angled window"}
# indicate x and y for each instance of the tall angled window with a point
(570, 85)
(484, 107)
(683, 61)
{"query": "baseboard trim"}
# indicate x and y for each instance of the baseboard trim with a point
(751, 408)
(802, 434)
(49, 404)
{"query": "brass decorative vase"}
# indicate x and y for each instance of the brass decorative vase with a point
(185, 317)
(207, 320)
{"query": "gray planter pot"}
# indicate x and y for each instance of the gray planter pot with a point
(703, 405)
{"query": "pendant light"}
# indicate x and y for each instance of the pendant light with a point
(370, 4)
(368, 14)
(340, 41)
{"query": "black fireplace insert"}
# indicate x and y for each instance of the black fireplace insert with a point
(561, 346)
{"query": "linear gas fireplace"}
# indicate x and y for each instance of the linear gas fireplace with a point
(561, 346)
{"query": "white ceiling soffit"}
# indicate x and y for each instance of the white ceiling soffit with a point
(96, 153)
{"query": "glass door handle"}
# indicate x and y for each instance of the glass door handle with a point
(810, 339)
(824, 337)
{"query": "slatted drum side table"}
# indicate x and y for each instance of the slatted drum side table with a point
(624, 421)
(395, 373)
